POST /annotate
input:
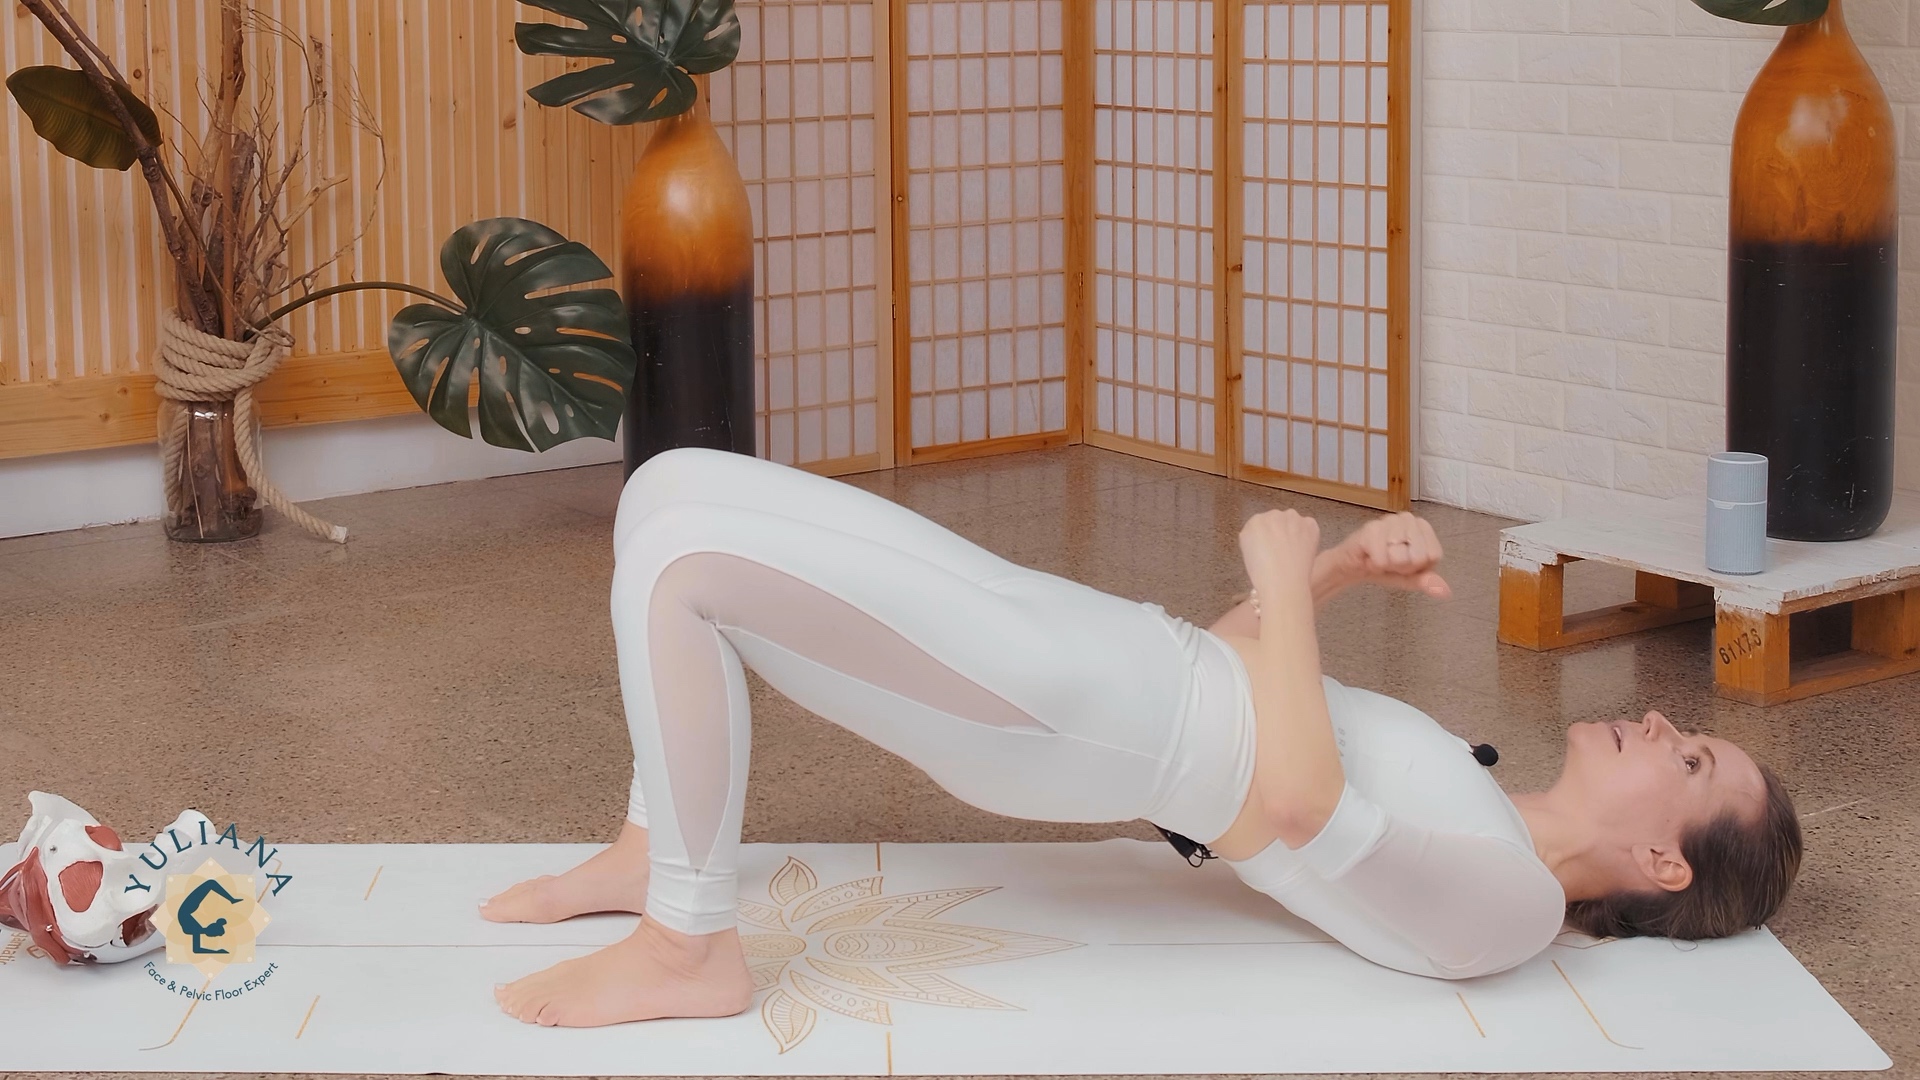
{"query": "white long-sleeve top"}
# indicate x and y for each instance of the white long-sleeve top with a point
(1425, 866)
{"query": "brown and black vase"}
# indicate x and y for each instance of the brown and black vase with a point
(1812, 285)
(686, 272)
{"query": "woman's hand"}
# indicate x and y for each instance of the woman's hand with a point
(1396, 550)
(1278, 548)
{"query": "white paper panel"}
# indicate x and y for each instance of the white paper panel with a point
(1053, 958)
(1153, 191)
(986, 212)
(798, 109)
(1314, 94)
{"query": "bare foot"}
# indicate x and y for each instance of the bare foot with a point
(613, 880)
(652, 974)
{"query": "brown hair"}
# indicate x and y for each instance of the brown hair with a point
(1741, 873)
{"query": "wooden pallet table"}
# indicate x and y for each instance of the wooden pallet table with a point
(1753, 657)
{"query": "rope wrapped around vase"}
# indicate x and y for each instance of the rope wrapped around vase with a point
(196, 366)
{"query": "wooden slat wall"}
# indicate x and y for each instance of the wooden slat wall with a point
(88, 274)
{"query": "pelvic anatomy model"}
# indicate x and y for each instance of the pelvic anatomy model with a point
(66, 886)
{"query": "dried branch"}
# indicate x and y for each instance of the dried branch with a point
(99, 54)
(250, 181)
(60, 23)
(254, 181)
(219, 159)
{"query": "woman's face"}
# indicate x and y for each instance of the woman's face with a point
(1645, 782)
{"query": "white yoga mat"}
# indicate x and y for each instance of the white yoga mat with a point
(913, 960)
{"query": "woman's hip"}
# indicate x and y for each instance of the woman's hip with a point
(1095, 685)
(1084, 662)
(1206, 786)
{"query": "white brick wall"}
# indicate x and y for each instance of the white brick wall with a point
(1574, 247)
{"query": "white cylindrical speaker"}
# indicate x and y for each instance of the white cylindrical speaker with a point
(1736, 513)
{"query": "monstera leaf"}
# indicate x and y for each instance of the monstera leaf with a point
(653, 46)
(70, 112)
(553, 367)
(1765, 12)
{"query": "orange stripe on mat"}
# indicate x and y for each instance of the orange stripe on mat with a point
(1470, 1016)
(309, 1016)
(184, 1019)
(1590, 1014)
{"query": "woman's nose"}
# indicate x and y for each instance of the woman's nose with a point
(1658, 727)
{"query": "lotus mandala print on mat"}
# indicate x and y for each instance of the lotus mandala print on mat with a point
(852, 949)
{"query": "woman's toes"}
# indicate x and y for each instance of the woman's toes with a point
(513, 999)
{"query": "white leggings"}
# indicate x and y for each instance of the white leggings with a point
(1020, 692)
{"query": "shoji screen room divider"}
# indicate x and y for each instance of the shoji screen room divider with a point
(1175, 228)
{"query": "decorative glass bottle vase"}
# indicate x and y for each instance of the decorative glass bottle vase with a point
(208, 497)
(1812, 285)
(686, 273)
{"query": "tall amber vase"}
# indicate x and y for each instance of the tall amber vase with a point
(686, 272)
(1812, 285)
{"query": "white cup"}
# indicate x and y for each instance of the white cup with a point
(1736, 513)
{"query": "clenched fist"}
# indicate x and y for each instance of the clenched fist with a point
(1396, 550)
(1278, 548)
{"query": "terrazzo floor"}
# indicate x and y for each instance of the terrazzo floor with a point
(448, 676)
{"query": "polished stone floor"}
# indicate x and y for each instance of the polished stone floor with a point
(448, 676)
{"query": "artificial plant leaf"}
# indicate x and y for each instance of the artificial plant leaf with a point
(652, 46)
(70, 112)
(553, 367)
(1765, 12)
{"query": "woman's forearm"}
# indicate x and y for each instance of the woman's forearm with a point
(1329, 577)
(1238, 620)
(1300, 779)
(1241, 620)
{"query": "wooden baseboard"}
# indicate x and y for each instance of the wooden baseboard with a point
(1186, 459)
(64, 415)
(1010, 444)
(864, 463)
(1355, 494)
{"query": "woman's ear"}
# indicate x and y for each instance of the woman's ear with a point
(1663, 866)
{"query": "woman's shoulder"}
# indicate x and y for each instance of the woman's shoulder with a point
(1405, 760)
(1383, 715)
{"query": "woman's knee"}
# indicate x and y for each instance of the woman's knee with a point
(662, 480)
(666, 534)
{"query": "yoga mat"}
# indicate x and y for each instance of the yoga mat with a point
(907, 959)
